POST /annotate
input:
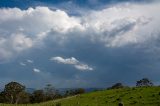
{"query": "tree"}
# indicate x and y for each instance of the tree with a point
(57, 95)
(23, 98)
(50, 92)
(67, 93)
(37, 96)
(144, 82)
(74, 91)
(70, 92)
(12, 92)
(2, 97)
(117, 86)
(79, 91)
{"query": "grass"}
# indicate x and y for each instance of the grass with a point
(143, 96)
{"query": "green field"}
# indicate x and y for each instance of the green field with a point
(142, 96)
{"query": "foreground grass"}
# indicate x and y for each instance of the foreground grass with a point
(144, 96)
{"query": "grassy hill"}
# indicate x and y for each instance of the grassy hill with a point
(143, 96)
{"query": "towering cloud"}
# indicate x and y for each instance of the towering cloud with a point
(22, 29)
(116, 40)
(115, 26)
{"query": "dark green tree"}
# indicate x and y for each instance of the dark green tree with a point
(57, 95)
(2, 97)
(79, 91)
(144, 82)
(117, 86)
(50, 92)
(70, 92)
(37, 96)
(23, 98)
(74, 91)
(12, 92)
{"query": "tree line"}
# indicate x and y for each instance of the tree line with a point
(140, 83)
(15, 93)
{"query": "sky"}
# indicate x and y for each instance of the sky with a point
(79, 43)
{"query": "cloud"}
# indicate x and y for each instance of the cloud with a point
(72, 61)
(22, 64)
(21, 42)
(22, 30)
(14, 44)
(36, 70)
(101, 38)
(123, 24)
(83, 67)
(25, 63)
(29, 61)
(115, 26)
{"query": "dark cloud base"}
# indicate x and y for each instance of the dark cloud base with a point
(125, 64)
(24, 4)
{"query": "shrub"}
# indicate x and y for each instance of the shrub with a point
(118, 99)
(117, 86)
(58, 104)
(140, 96)
(120, 104)
(134, 102)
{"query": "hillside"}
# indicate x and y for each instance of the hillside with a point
(143, 96)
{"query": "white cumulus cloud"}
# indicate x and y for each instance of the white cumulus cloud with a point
(36, 70)
(115, 26)
(29, 61)
(21, 42)
(22, 64)
(22, 29)
(72, 61)
(83, 67)
(124, 24)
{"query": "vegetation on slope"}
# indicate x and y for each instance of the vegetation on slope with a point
(137, 96)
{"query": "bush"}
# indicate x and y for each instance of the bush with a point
(134, 102)
(58, 104)
(117, 86)
(118, 99)
(120, 104)
(131, 97)
(153, 95)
